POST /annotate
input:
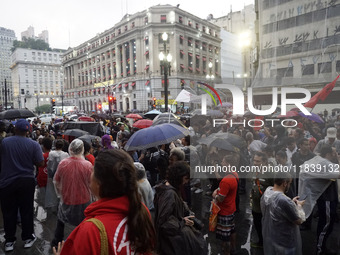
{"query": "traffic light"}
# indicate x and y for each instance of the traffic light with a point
(114, 100)
(99, 107)
(53, 102)
(110, 99)
(154, 102)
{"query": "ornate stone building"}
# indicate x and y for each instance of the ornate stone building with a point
(123, 61)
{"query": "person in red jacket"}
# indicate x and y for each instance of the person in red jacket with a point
(127, 221)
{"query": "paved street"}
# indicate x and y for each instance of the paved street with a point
(45, 223)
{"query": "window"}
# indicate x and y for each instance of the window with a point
(181, 38)
(338, 66)
(308, 69)
(190, 41)
(125, 28)
(119, 31)
(163, 18)
(132, 24)
(325, 67)
(197, 26)
(189, 23)
(197, 44)
(146, 20)
(180, 19)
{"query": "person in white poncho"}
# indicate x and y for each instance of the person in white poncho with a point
(281, 219)
(318, 185)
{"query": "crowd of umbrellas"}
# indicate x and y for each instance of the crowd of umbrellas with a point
(157, 128)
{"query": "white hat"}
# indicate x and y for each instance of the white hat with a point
(331, 132)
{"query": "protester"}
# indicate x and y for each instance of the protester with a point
(124, 219)
(144, 186)
(174, 225)
(320, 187)
(19, 154)
(254, 145)
(260, 184)
(54, 158)
(72, 181)
(42, 171)
(281, 217)
(291, 148)
(87, 152)
(225, 197)
(329, 139)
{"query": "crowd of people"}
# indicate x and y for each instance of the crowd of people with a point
(139, 202)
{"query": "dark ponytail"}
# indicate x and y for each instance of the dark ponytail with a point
(115, 171)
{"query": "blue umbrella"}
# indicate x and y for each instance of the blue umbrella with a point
(154, 136)
(313, 117)
(153, 112)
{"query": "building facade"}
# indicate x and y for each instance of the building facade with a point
(124, 60)
(37, 77)
(7, 37)
(242, 25)
(299, 45)
(29, 33)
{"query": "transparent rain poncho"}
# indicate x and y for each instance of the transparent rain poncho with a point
(72, 181)
(316, 175)
(280, 234)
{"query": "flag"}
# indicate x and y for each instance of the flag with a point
(322, 94)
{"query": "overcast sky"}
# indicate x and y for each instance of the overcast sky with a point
(72, 22)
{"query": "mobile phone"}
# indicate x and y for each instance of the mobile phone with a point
(303, 197)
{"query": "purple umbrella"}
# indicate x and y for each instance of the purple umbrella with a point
(313, 117)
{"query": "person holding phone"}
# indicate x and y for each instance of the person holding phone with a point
(281, 218)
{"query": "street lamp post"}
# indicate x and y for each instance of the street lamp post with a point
(165, 68)
(210, 75)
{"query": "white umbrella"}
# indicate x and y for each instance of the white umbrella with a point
(184, 96)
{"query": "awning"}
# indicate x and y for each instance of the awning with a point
(182, 52)
(190, 68)
(190, 54)
(126, 85)
(182, 66)
(204, 58)
(120, 85)
(197, 69)
(183, 81)
(147, 82)
(146, 68)
(181, 36)
(198, 56)
(146, 53)
(133, 84)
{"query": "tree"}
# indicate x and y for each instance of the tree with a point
(30, 43)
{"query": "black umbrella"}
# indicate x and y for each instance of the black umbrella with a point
(200, 119)
(224, 145)
(100, 116)
(233, 139)
(88, 138)
(75, 132)
(16, 114)
(336, 110)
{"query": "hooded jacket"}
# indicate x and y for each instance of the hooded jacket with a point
(173, 236)
(85, 239)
